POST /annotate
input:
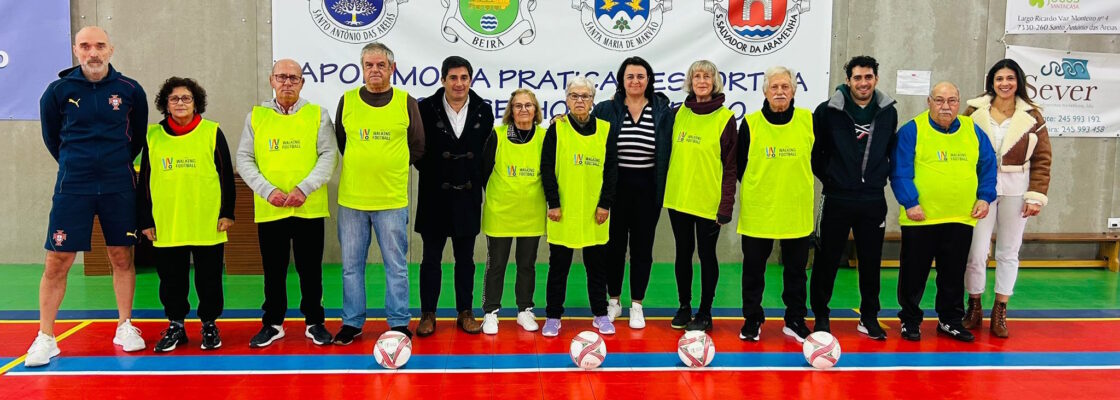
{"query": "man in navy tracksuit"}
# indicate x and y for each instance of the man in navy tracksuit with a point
(855, 132)
(94, 122)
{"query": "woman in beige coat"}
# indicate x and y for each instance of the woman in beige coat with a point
(1017, 130)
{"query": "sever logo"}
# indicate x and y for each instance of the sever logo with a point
(1068, 68)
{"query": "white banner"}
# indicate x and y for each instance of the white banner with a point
(1063, 16)
(1073, 89)
(540, 44)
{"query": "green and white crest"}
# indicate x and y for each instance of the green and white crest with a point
(489, 24)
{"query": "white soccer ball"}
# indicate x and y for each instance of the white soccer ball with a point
(821, 350)
(588, 350)
(392, 350)
(696, 349)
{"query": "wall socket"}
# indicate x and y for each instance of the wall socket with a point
(1114, 223)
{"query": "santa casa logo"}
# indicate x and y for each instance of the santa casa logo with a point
(622, 25)
(1068, 68)
(354, 21)
(489, 24)
(756, 27)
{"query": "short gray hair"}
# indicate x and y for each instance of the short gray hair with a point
(779, 70)
(581, 82)
(377, 48)
(938, 84)
(706, 66)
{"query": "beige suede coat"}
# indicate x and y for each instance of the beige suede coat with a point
(1026, 145)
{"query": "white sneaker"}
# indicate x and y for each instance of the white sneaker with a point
(527, 320)
(128, 337)
(41, 351)
(490, 323)
(614, 309)
(637, 316)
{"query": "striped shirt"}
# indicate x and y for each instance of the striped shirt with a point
(636, 143)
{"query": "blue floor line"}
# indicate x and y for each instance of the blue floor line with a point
(171, 363)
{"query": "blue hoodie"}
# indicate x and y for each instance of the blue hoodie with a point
(94, 130)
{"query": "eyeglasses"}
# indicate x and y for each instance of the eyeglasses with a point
(952, 101)
(284, 78)
(523, 106)
(580, 97)
(180, 99)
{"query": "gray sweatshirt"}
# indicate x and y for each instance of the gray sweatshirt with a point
(324, 167)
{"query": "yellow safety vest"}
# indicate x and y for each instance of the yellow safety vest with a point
(776, 196)
(579, 172)
(945, 173)
(185, 188)
(286, 149)
(515, 204)
(375, 164)
(695, 179)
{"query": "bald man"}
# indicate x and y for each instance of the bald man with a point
(286, 156)
(943, 173)
(93, 121)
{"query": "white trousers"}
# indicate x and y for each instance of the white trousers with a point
(1005, 218)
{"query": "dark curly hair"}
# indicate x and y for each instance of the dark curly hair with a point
(170, 84)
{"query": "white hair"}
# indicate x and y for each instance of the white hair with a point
(779, 70)
(710, 68)
(581, 82)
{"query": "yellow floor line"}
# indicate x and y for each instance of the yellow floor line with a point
(58, 338)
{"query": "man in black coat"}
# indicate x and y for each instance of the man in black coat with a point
(457, 122)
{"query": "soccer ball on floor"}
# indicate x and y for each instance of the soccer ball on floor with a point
(588, 350)
(392, 350)
(821, 350)
(696, 350)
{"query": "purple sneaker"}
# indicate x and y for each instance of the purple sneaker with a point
(551, 327)
(604, 324)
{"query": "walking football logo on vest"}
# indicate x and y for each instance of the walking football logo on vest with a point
(622, 25)
(756, 27)
(354, 21)
(489, 24)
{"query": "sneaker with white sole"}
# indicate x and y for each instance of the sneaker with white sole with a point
(551, 327)
(604, 324)
(797, 330)
(637, 316)
(527, 320)
(128, 337)
(41, 351)
(614, 309)
(490, 323)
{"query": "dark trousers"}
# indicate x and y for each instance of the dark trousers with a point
(795, 254)
(556, 288)
(695, 234)
(948, 244)
(174, 271)
(497, 259)
(279, 240)
(866, 221)
(633, 221)
(431, 271)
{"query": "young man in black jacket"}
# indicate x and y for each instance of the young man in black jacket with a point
(855, 135)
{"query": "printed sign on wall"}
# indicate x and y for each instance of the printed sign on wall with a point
(1073, 89)
(1063, 16)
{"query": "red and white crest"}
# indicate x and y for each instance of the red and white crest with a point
(115, 101)
(59, 236)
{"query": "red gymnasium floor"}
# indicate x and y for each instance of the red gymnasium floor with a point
(1045, 359)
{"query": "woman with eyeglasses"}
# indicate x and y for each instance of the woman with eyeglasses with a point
(641, 120)
(1015, 127)
(514, 207)
(579, 168)
(185, 206)
(700, 188)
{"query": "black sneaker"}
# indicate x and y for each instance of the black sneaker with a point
(752, 330)
(266, 336)
(955, 331)
(318, 334)
(682, 318)
(702, 322)
(822, 324)
(872, 330)
(797, 330)
(402, 329)
(173, 336)
(210, 336)
(911, 332)
(346, 335)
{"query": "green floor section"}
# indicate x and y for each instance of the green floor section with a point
(1035, 289)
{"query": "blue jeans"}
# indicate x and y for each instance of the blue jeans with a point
(391, 227)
